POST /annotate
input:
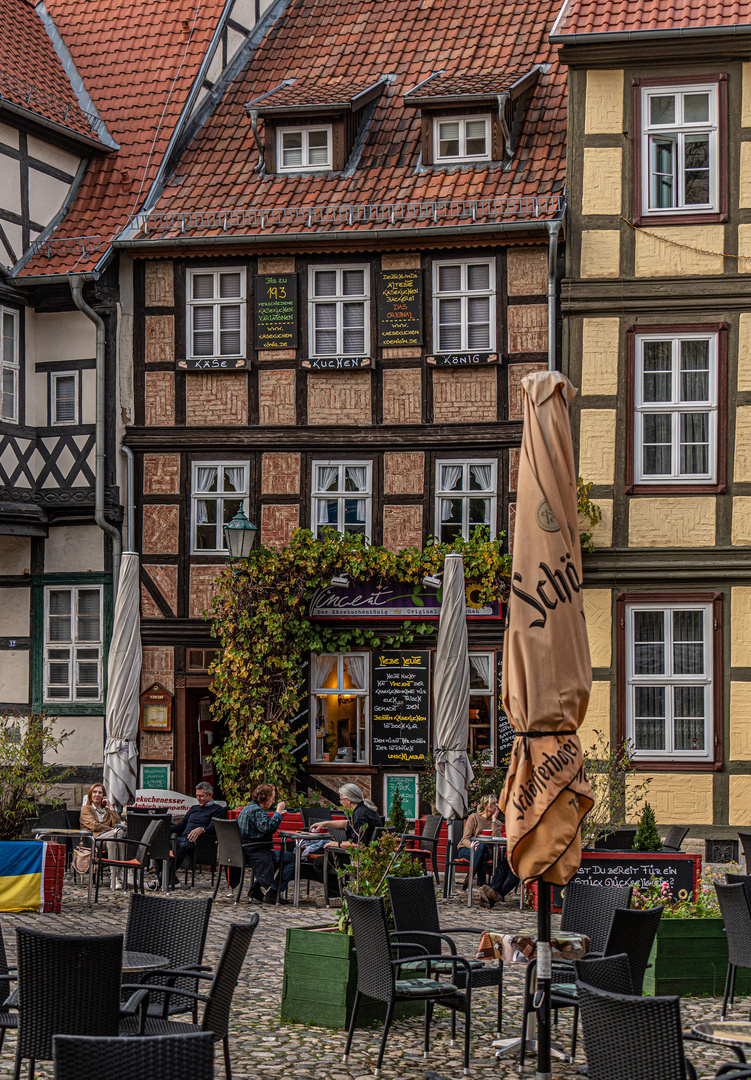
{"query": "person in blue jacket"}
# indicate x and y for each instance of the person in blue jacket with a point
(257, 831)
(198, 820)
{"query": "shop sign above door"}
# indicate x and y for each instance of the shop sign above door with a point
(361, 600)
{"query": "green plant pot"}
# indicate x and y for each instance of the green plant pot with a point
(320, 979)
(690, 957)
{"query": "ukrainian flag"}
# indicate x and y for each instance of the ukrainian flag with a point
(22, 876)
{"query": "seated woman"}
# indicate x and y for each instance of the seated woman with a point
(360, 829)
(486, 815)
(99, 818)
(257, 831)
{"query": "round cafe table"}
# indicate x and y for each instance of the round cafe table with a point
(733, 1033)
(143, 961)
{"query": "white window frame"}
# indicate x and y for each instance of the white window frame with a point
(305, 131)
(706, 679)
(363, 734)
(72, 646)
(340, 300)
(465, 494)
(678, 132)
(219, 497)
(10, 367)
(54, 377)
(675, 407)
(464, 294)
(217, 303)
(489, 693)
(341, 495)
(462, 121)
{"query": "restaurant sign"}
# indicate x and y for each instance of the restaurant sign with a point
(361, 600)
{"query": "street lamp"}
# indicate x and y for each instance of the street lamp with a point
(239, 536)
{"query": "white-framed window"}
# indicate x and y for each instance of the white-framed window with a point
(9, 366)
(218, 490)
(339, 310)
(680, 148)
(216, 313)
(341, 496)
(669, 673)
(303, 148)
(675, 401)
(73, 642)
(465, 497)
(464, 305)
(481, 698)
(461, 138)
(340, 707)
(64, 397)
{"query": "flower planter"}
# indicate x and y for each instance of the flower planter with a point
(320, 979)
(690, 958)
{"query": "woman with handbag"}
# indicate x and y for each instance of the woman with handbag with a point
(98, 816)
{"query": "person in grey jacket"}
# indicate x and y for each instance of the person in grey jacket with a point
(257, 831)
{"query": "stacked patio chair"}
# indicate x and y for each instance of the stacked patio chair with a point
(8, 1017)
(736, 914)
(138, 863)
(218, 1000)
(415, 909)
(158, 1057)
(379, 974)
(675, 838)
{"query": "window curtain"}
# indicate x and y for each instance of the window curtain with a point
(202, 513)
(322, 515)
(205, 477)
(483, 475)
(356, 668)
(326, 476)
(324, 666)
(451, 475)
(235, 477)
(481, 667)
(357, 475)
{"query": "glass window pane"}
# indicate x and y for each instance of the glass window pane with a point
(318, 147)
(451, 477)
(65, 398)
(9, 338)
(328, 478)
(229, 317)
(88, 615)
(324, 283)
(230, 507)
(694, 366)
(354, 328)
(662, 187)
(478, 277)
(292, 159)
(449, 278)
(649, 643)
(9, 394)
(353, 282)
(480, 478)
(657, 376)
(695, 108)
(475, 136)
(479, 511)
(203, 286)
(689, 717)
(448, 139)
(694, 455)
(688, 642)
(696, 165)
(230, 286)
(229, 343)
(451, 510)
(355, 478)
(449, 324)
(662, 109)
(649, 717)
(657, 444)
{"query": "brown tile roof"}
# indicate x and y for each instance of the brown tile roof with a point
(31, 73)
(138, 60)
(365, 39)
(306, 93)
(465, 84)
(623, 17)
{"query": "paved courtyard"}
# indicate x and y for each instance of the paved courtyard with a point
(262, 1046)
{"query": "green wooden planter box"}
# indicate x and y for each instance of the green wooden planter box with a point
(320, 979)
(690, 958)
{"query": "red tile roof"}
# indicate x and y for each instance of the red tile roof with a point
(622, 17)
(465, 84)
(138, 61)
(365, 39)
(31, 73)
(303, 93)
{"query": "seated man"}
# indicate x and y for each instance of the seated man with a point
(257, 831)
(198, 820)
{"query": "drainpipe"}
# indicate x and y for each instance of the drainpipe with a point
(76, 288)
(130, 506)
(554, 227)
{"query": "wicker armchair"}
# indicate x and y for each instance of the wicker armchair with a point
(377, 974)
(736, 915)
(676, 835)
(215, 1020)
(165, 1057)
(590, 911)
(427, 841)
(612, 973)
(138, 863)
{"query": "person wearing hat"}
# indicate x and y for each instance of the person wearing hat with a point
(361, 827)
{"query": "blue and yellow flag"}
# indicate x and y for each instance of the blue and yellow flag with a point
(22, 876)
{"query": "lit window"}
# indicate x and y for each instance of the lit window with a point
(9, 366)
(73, 644)
(338, 311)
(461, 138)
(64, 398)
(341, 496)
(464, 306)
(481, 691)
(340, 707)
(465, 498)
(680, 148)
(669, 679)
(303, 148)
(675, 428)
(219, 490)
(216, 313)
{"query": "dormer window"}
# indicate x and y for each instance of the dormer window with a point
(304, 148)
(461, 138)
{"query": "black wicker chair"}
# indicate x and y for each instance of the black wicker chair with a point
(160, 846)
(736, 914)
(8, 1019)
(66, 986)
(454, 858)
(138, 863)
(377, 974)
(218, 1001)
(589, 911)
(313, 814)
(158, 1057)
(740, 879)
(745, 839)
(612, 973)
(676, 835)
(415, 909)
(628, 1037)
(172, 927)
(229, 853)
(203, 854)
(427, 841)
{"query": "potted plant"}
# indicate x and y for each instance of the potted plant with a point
(320, 965)
(647, 835)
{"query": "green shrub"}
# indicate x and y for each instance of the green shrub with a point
(647, 835)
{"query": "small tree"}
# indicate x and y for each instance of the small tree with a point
(397, 817)
(647, 835)
(25, 741)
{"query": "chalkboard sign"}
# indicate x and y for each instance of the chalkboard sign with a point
(600, 868)
(300, 722)
(276, 311)
(401, 697)
(401, 308)
(408, 786)
(505, 734)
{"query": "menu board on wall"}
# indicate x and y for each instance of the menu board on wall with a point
(400, 308)
(401, 700)
(276, 311)
(300, 722)
(504, 732)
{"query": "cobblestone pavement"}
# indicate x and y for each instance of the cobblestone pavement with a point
(262, 1046)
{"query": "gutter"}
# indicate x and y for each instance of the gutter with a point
(130, 506)
(76, 288)
(554, 228)
(736, 30)
(52, 125)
